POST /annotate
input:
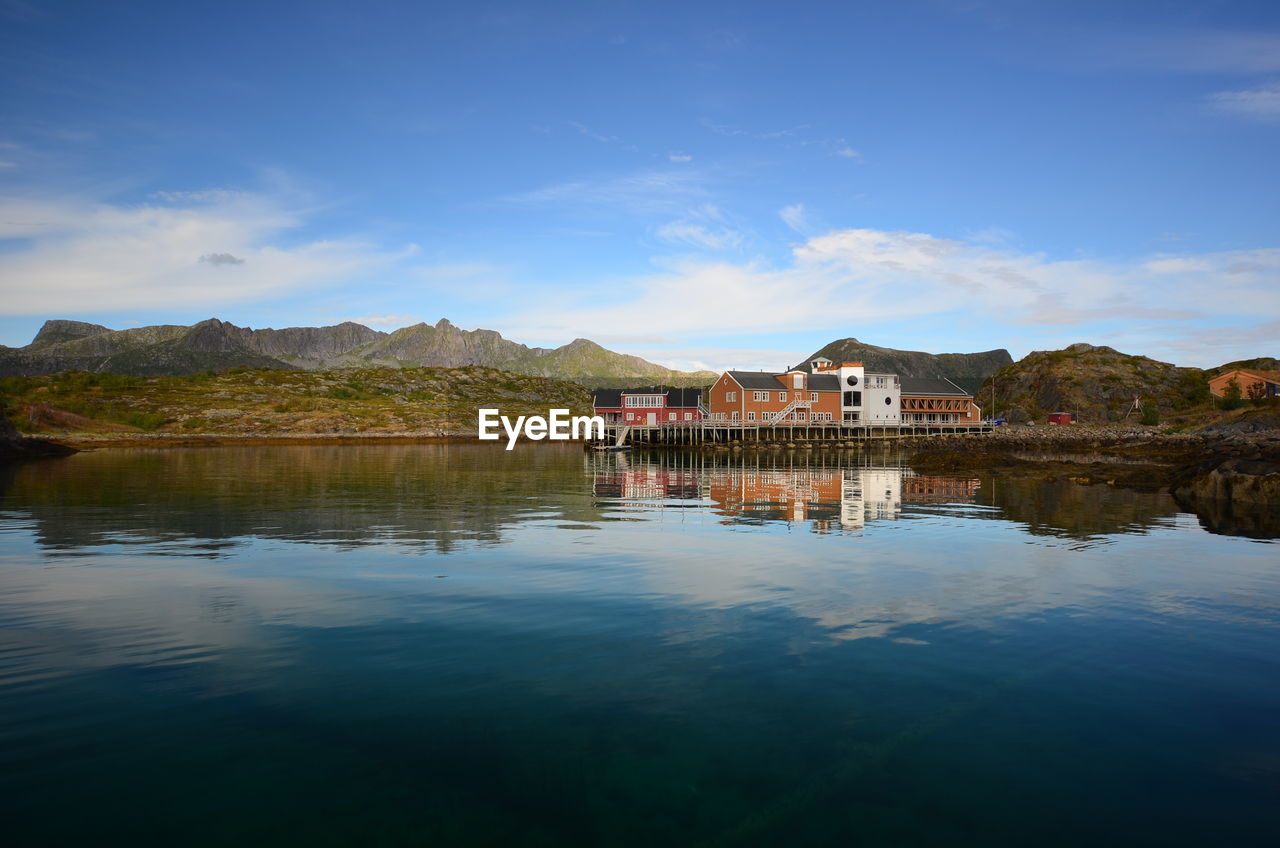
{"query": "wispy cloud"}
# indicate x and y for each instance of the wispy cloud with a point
(679, 157)
(794, 216)
(766, 135)
(704, 227)
(1258, 104)
(647, 192)
(393, 321)
(592, 134)
(218, 248)
(850, 279)
(221, 259)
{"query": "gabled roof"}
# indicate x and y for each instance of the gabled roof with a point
(676, 398)
(767, 380)
(931, 387)
(1268, 376)
(606, 398)
(683, 398)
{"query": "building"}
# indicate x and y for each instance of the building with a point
(1263, 381)
(648, 406)
(930, 400)
(763, 397)
(864, 398)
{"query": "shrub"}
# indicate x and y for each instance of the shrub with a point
(146, 420)
(1150, 413)
(1231, 395)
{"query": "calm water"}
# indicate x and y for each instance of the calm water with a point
(444, 645)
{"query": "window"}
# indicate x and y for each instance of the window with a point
(688, 416)
(751, 416)
(813, 396)
(730, 397)
(642, 401)
(735, 415)
(797, 381)
(671, 416)
(782, 396)
(799, 414)
(760, 396)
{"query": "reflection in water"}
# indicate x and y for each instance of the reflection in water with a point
(835, 493)
(461, 645)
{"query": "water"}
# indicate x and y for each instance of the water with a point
(458, 645)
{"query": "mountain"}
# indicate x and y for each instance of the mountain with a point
(1097, 383)
(214, 345)
(966, 370)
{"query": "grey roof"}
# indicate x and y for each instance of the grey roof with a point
(757, 380)
(676, 398)
(606, 398)
(932, 387)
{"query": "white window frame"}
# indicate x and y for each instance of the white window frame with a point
(760, 397)
(730, 397)
(751, 416)
(782, 396)
(813, 396)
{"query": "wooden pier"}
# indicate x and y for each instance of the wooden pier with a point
(729, 434)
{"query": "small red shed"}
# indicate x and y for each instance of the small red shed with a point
(1061, 418)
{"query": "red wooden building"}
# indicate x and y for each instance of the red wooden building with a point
(648, 406)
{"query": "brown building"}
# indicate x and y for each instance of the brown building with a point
(1266, 382)
(761, 397)
(926, 400)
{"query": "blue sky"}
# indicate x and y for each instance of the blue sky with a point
(704, 184)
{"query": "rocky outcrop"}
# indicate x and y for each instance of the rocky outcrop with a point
(967, 370)
(1097, 383)
(14, 446)
(214, 345)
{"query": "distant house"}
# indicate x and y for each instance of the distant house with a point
(1247, 377)
(648, 406)
(930, 400)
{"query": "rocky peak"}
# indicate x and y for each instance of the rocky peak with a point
(62, 330)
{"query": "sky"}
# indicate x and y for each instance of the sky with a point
(708, 185)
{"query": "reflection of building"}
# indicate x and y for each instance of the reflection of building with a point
(620, 479)
(832, 497)
(651, 406)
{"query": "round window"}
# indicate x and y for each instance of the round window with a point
(852, 379)
(888, 401)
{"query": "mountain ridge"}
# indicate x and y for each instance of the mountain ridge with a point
(967, 370)
(213, 344)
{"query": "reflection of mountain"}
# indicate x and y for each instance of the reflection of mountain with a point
(833, 493)
(1063, 508)
(435, 497)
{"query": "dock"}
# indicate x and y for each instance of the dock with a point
(728, 434)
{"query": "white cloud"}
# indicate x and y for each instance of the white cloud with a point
(592, 134)
(1259, 104)
(848, 280)
(847, 152)
(680, 157)
(703, 227)
(644, 193)
(794, 217)
(390, 322)
(100, 257)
